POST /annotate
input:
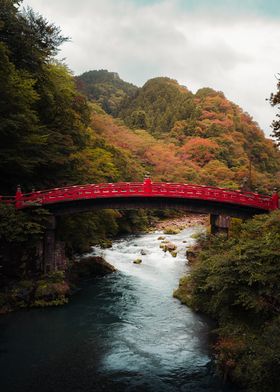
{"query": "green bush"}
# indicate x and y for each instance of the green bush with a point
(236, 281)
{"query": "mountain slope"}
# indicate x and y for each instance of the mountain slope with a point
(201, 138)
(161, 101)
(107, 88)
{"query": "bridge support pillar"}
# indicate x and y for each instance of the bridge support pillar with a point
(53, 251)
(49, 246)
(219, 224)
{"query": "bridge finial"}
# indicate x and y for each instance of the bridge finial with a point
(147, 183)
(18, 197)
(146, 175)
(18, 191)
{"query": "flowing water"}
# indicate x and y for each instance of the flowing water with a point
(122, 332)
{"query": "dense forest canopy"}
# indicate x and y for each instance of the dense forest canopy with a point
(180, 136)
(44, 119)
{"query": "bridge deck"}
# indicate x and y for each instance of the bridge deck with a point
(145, 189)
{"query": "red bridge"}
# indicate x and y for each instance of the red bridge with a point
(218, 202)
(195, 198)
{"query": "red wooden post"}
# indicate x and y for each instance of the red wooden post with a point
(147, 185)
(18, 197)
(275, 199)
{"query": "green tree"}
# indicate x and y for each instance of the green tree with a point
(139, 120)
(19, 125)
(43, 119)
(275, 101)
(31, 39)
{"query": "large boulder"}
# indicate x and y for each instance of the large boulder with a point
(92, 266)
(168, 246)
(192, 253)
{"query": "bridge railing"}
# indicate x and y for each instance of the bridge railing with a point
(214, 194)
(146, 188)
(7, 199)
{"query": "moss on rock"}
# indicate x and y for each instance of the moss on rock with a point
(171, 230)
(51, 289)
(48, 293)
(168, 246)
(183, 292)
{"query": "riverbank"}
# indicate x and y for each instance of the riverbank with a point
(182, 222)
(52, 289)
(236, 282)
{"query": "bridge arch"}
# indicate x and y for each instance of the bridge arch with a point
(217, 202)
(194, 198)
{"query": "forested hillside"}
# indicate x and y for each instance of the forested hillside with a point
(107, 88)
(201, 138)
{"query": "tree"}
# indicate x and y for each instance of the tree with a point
(199, 150)
(32, 41)
(43, 119)
(19, 124)
(139, 120)
(275, 101)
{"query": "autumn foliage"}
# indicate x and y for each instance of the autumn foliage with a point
(201, 138)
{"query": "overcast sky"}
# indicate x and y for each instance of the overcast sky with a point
(229, 45)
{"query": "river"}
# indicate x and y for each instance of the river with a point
(122, 332)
